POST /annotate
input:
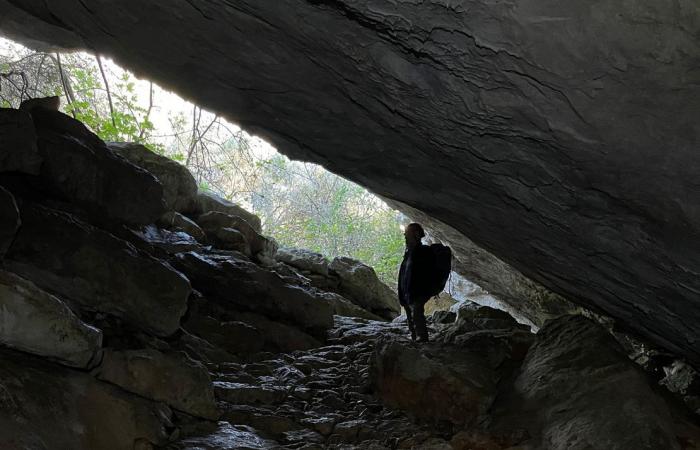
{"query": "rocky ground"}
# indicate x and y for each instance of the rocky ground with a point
(137, 312)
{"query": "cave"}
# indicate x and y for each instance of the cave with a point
(552, 145)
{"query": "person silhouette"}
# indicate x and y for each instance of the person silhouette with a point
(413, 281)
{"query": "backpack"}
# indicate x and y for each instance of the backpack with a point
(440, 268)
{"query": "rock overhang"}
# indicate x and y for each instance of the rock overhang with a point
(560, 137)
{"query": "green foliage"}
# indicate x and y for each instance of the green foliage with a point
(301, 205)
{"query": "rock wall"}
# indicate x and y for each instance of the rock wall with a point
(559, 136)
(116, 308)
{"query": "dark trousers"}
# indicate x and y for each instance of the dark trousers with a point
(415, 316)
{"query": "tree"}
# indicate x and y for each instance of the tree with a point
(300, 204)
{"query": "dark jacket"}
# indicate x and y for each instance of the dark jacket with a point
(413, 275)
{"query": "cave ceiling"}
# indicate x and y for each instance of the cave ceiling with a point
(562, 137)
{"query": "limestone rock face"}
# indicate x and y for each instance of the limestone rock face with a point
(359, 282)
(9, 220)
(170, 378)
(540, 130)
(48, 407)
(280, 337)
(583, 391)
(344, 307)
(449, 384)
(179, 186)
(18, 150)
(80, 167)
(91, 268)
(225, 231)
(304, 260)
(233, 336)
(177, 222)
(208, 202)
(247, 286)
(37, 322)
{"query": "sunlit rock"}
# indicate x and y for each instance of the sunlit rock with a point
(209, 202)
(179, 186)
(304, 260)
(225, 231)
(35, 321)
(360, 284)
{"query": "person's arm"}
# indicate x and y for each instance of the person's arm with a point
(402, 277)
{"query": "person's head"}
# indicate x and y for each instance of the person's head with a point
(413, 234)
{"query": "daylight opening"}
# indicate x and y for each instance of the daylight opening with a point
(300, 204)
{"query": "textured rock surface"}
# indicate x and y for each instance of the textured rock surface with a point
(583, 392)
(225, 230)
(447, 384)
(208, 202)
(360, 284)
(179, 186)
(80, 167)
(305, 260)
(559, 136)
(18, 151)
(170, 378)
(37, 322)
(243, 285)
(93, 269)
(46, 407)
(177, 222)
(9, 220)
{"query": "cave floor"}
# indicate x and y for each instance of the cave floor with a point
(316, 399)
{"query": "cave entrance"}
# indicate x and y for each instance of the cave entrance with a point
(300, 204)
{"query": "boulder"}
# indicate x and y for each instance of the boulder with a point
(279, 337)
(97, 271)
(344, 307)
(360, 284)
(209, 202)
(48, 407)
(445, 383)
(224, 229)
(242, 285)
(81, 168)
(9, 220)
(179, 186)
(167, 241)
(228, 437)
(36, 322)
(578, 390)
(18, 149)
(173, 379)
(471, 314)
(442, 302)
(304, 260)
(175, 221)
(201, 350)
(233, 336)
